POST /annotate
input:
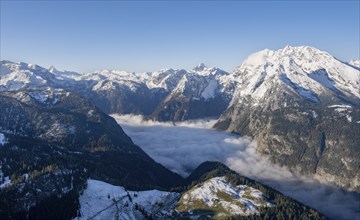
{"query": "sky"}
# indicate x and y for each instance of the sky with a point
(142, 36)
(193, 142)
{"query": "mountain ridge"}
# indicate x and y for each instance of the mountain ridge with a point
(269, 95)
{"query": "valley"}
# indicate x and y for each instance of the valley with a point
(183, 146)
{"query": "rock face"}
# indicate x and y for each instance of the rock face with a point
(302, 107)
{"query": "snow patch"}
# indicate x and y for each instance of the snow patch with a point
(339, 106)
(6, 182)
(101, 200)
(210, 90)
(349, 118)
(305, 93)
(2, 139)
(40, 96)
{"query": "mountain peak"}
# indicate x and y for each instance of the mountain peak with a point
(200, 67)
(307, 71)
(52, 69)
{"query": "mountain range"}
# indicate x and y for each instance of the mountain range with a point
(165, 95)
(300, 104)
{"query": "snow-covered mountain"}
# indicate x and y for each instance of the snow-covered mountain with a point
(17, 76)
(200, 92)
(302, 105)
(197, 93)
(304, 73)
(201, 83)
(289, 100)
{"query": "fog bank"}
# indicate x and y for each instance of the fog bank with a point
(182, 147)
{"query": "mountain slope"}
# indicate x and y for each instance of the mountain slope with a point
(201, 92)
(224, 199)
(281, 206)
(216, 193)
(55, 140)
(302, 107)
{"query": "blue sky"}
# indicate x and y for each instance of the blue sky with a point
(146, 36)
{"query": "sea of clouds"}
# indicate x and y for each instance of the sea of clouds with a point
(182, 147)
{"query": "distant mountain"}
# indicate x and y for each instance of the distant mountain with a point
(165, 95)
(201, 92)
(302, 106)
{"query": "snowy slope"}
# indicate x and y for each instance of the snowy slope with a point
(106, 79)
(2, 139)
(101, 200)
(199, 93)
(165, 78)
(218, 192)
(304, 71)
(355, 63)
(15, 76)
(203, 83)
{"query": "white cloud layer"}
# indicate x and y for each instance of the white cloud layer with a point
(182, 147)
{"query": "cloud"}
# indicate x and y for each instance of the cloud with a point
(182, 147)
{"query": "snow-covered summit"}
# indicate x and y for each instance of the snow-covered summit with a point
(200, 67)
(52, 69)
(307, 71)
(20, 75)
(165, 78)
(202, 82)
(203, 70)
